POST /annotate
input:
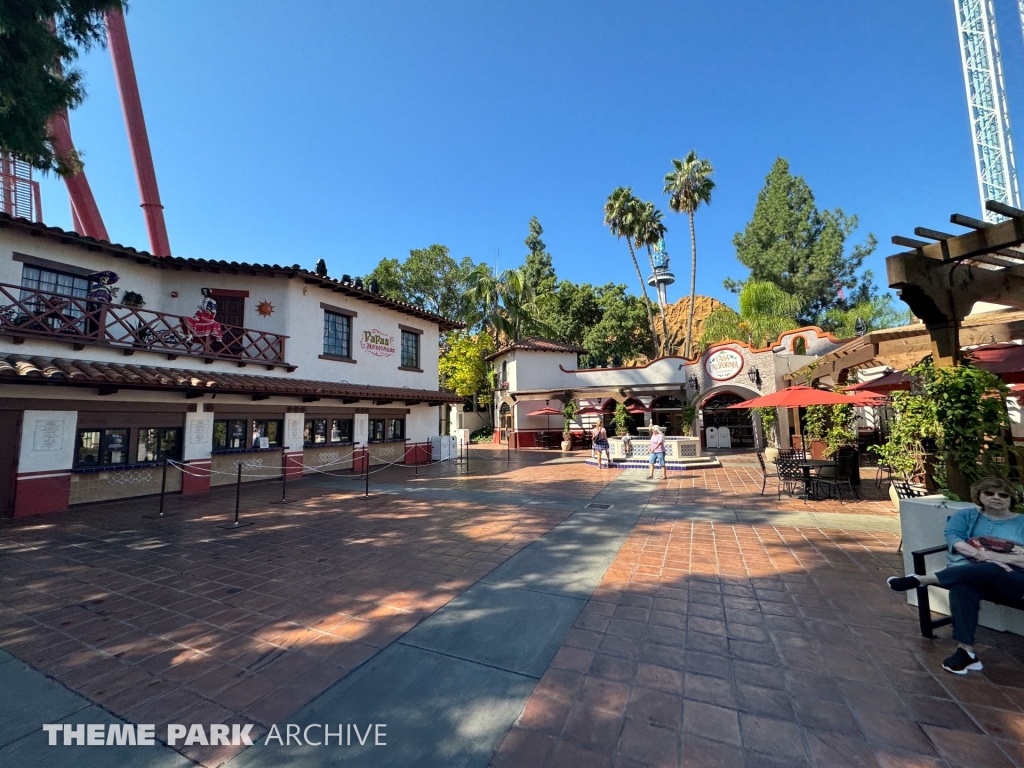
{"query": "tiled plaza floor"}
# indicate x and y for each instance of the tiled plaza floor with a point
(712, 645)
(177, 620)
(706, 644)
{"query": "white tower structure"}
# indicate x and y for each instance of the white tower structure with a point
(986, 101)
(663, 277)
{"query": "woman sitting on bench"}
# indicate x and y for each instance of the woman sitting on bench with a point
(985, 562)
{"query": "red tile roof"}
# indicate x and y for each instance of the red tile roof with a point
(210, 265)
(537, 344)
(21, 369)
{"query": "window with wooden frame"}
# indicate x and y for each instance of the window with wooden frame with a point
(101, 447)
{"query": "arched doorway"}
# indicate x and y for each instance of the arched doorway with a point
(716, 413)
(665, 412)
(504, 422)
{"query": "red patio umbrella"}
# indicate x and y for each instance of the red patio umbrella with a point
(546, 411)
(590, 410)
(800, 397)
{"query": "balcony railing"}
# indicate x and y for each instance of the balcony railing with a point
(28, 313)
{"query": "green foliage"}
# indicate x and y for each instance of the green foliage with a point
(621, 419)
(915, 420)
(877, 313)
(802, 249)
(832, 424)
(573, 310)
(687, 413)
(537, 269)
(970, 406)
(430, 278)
(503, 305)
(621, 334)
(462, 367)
(769, 423)
(689, 185)
(482, 435)
(765, 311)
(569, 415)
(37, 79)
(621, 213)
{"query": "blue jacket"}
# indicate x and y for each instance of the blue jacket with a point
(958, 528)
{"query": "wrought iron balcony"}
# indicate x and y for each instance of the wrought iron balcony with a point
(27, 313)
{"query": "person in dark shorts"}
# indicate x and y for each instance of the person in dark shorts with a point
(985, 562)
(600, 435)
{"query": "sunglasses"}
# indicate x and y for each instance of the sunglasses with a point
(997, 494)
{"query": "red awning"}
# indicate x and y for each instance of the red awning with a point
(545, 412)
(890, 382)
(1005, 360)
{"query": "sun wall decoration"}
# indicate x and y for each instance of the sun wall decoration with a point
(265, 309)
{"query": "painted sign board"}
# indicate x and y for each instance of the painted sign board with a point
(724, 364)
(378, 343)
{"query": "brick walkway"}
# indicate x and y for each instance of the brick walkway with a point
(706, 644)
(738, 645)
(177, 620)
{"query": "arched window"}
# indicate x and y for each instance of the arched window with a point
(799, 346)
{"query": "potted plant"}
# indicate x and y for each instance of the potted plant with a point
(569, 415)
(687, 414)
(621, 420)
(133, 300)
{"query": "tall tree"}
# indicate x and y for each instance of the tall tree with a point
(430, 278)
(462, 367)
(688, 185)
(37, 76)
(620, 215)
(765, 311)
(803, 250)
(574, 310)
(538, 269)
(503, 305)
(873, 314)
(649, 228)
(621, 334)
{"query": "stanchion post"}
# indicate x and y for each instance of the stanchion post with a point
(163, 487)
(366, 463)
(508, 447)
(238, 491)
(467, 457)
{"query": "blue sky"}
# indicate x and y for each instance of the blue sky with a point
(354, 131)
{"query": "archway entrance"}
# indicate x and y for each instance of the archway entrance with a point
(504, 422)
(716, 415)
(666, 414)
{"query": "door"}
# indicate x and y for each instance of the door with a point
(504, 422)
(230, 310)
(10, 427)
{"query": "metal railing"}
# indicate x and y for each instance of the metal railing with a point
(30, 313)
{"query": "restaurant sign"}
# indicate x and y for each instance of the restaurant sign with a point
(724, 364)
(378, 343)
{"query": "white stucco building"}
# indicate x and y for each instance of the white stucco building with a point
(303, 370)
(538, 373)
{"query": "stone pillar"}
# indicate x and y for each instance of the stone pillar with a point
(43, 483)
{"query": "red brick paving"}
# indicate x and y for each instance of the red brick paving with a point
(177, 620)
(739, 645)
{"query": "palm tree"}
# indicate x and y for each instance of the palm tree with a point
(765, 311)
(648, 230)
(688, 186)
(620, 215)
(503, 305)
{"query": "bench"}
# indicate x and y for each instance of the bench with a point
(924, 610)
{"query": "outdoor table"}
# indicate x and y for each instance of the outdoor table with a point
(807, 465)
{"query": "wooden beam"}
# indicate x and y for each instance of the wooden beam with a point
(968, 221)
(192, 395)
(261, 397)
(309, 398)
(107, 389)
(932, 234)
(1003, 209)
(908, 242)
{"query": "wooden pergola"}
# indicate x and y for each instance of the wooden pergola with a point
(941, 280)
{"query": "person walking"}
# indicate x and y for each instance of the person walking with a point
(657, 456)
(600, 435)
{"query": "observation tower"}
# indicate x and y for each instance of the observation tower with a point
(662, 277)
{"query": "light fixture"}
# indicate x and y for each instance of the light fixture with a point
(694, 383)
(755, 377)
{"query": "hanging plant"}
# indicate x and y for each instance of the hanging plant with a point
(133, 300)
